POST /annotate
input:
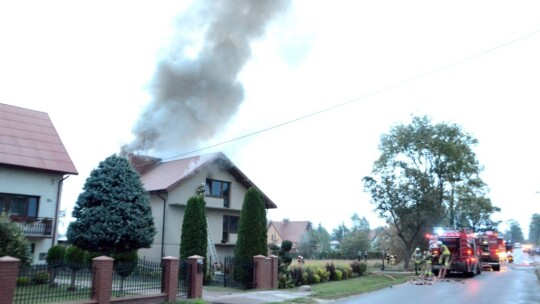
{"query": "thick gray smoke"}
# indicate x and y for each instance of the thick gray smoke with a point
(194, 96)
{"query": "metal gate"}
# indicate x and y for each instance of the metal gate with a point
(184, 278)
(238, 273)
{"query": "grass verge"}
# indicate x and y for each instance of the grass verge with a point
(350, 287)
(367, 283)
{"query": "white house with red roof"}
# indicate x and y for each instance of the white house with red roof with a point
(33, 165)
(171, 184)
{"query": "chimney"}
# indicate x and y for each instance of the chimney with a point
(143, 163)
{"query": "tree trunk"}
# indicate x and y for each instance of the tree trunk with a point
(407, 256)
(72, 286)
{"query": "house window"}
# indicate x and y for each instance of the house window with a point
(230, 225)
(218, 189)
(19, 205)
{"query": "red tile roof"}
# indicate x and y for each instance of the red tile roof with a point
(29, 139)
(165, 176)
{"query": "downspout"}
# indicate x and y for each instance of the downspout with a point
(163, 223)
(58, 192)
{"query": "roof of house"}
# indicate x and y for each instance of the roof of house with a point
(28, 139)
(290, 230)
(158, 175)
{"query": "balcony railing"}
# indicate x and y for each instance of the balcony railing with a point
(36, 226)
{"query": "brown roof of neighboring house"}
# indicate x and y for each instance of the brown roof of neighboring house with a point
(291, 230)
(28, 139)
(158, 175)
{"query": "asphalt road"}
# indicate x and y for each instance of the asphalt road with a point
(515, 283)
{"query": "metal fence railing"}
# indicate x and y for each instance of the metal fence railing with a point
(55, 282)
(136, 278)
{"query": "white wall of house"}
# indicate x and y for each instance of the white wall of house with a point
(34, 183)
(42, 184)
(174, 214)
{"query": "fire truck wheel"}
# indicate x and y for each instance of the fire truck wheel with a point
(497, 267)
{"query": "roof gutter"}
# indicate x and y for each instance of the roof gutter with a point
(163, 223)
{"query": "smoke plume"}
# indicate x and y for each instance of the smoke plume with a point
(194, 96)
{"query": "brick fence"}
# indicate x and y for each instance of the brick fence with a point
(265, 277)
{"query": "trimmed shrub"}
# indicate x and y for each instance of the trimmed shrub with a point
(339, 275)
(41, 277)
(323, 274)
(23, 281)
(331, 268)
(358, 268)
(297, 276)
(55, 256)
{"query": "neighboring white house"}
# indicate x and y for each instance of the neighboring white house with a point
(171, 184)
(33, 165)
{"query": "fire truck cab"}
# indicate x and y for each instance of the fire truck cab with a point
(492, 249)
(463, 248)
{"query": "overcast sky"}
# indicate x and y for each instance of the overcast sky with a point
(106, 72)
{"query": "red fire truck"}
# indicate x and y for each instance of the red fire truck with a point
(492, 249)
(463, 248)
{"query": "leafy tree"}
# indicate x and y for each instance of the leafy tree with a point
(514, 233)
(389, 242)
(75, 260)
(309, 243)
(252, 235)
(359, 224)
(323, 238)
(194, 238)
(534, 229)
(354, 242)
(113, 212)
(417, 175)
(13, 243)
(340, 232)
(475, 212)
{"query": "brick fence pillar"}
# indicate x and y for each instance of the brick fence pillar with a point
(261, 275)
(274, 261)
(170, 277)
(102, 268)
(196, 265)
(9, 270)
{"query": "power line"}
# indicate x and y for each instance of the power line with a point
(381, 90)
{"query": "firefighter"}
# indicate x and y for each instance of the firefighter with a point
(417, 259)
(426, 264)
(444, 259)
